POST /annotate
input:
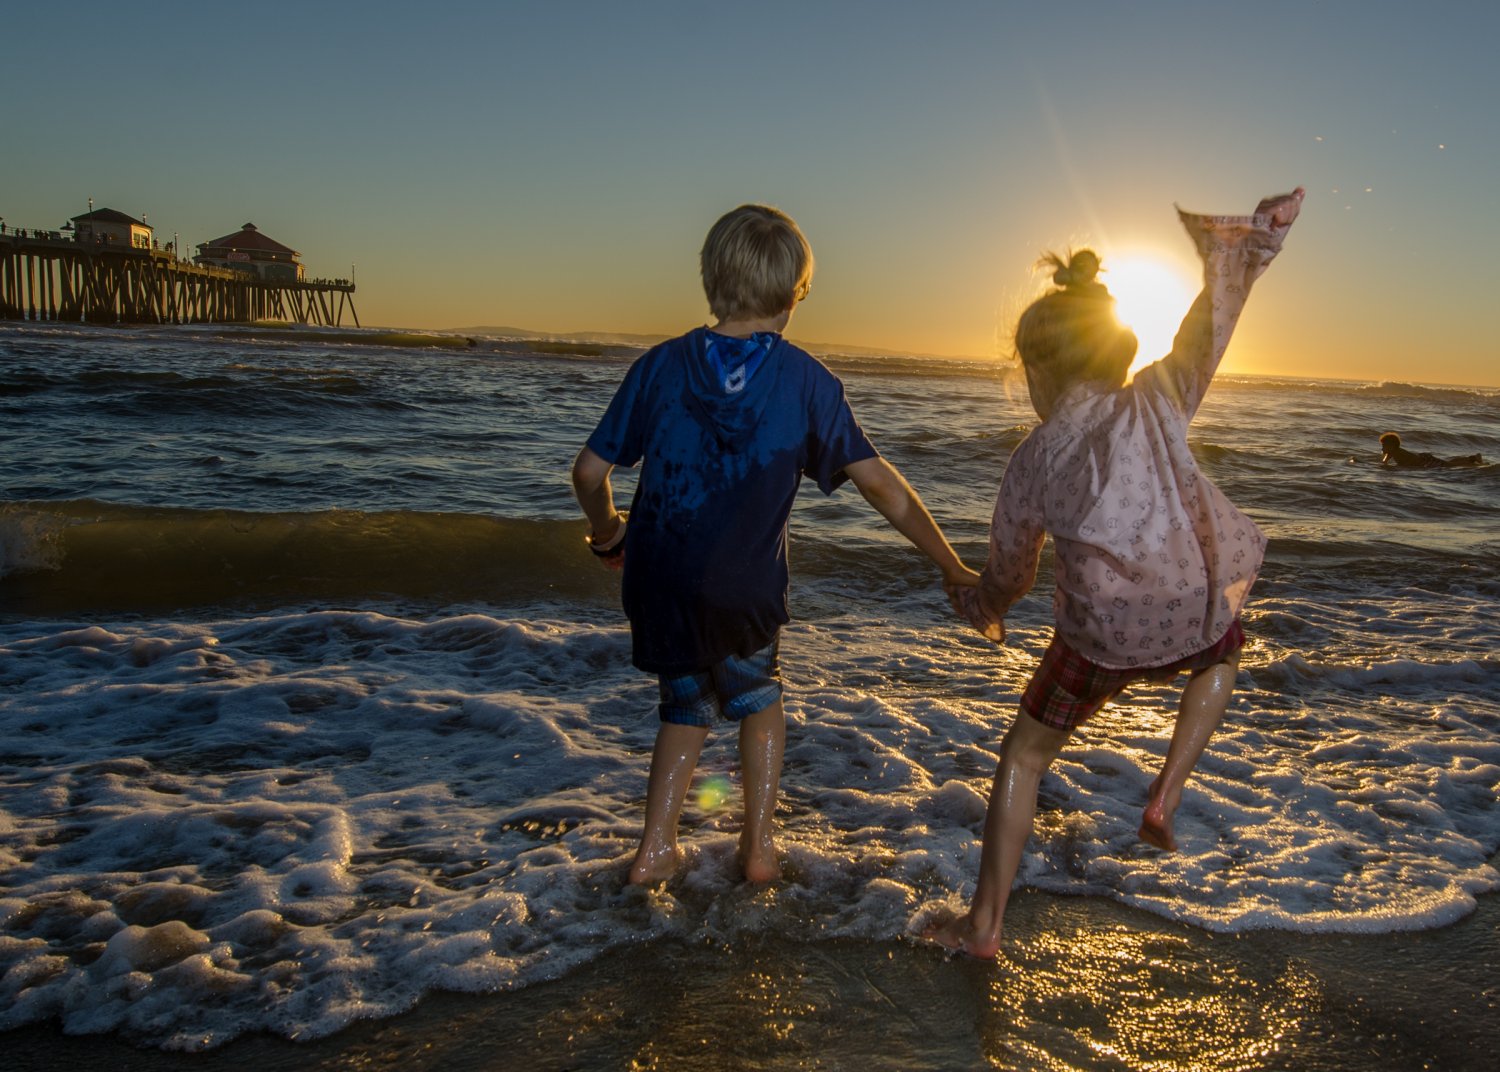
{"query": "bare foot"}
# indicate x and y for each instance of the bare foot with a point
(959, 934)
(1156, 821)
(653, 866)
(759, 862)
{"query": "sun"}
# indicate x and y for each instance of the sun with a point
(1151, 297)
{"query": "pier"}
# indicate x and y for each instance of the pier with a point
(51, 276)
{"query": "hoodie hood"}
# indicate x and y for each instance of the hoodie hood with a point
(730, 415)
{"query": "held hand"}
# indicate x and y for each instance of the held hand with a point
(1282, 208)
(955, 581)
(959, 577)
(994, 631)
(968, 604)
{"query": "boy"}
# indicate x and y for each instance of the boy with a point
(725, 421)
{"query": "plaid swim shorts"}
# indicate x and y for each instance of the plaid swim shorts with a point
(1067, 689)
(733, 689)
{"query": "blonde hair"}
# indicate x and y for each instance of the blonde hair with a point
(755, 263)
(1072, 333)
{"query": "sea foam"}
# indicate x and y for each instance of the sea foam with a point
(320, 816)
(314, 705)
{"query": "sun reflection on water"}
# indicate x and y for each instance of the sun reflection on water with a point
(1085, 999)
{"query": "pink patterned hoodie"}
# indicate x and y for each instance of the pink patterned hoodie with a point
(1153, 562)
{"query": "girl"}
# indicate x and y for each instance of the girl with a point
(1153, 563)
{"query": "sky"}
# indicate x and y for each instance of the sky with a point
(554, 166)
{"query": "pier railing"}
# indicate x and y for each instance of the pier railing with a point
(47, 275)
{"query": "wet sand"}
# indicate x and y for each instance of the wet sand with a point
(1083, 984)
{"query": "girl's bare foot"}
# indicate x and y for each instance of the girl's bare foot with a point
(1156, 820)
(653, 866)
(959, 934)
(759, 861)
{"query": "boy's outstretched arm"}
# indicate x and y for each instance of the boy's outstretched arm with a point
(592, 489)
(898, 502)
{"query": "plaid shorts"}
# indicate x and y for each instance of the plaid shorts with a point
(1067, 689)
(733, 689)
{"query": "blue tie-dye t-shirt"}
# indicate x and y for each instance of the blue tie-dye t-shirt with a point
(706, 548)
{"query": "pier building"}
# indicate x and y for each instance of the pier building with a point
(106, 267)
(107, 226)
(250, 251)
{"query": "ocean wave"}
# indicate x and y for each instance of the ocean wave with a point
(1397, 389)
(87, 556)
(84, 556)
(559, 348)
(1480, 676)
(243, 393)
(1316, 386)
(925, 367)
(260, 334)
(334, 336)
(91, 556)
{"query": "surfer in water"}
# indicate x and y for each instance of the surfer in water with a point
(1153, 564)
(1392, 453)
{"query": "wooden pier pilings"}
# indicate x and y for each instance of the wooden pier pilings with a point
(54, 278)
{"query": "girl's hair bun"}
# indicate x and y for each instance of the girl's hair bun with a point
(1078, 275)
(1080, 271)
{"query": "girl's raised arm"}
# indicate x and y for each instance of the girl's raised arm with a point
(1235, 251)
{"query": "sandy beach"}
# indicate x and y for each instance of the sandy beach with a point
(1084, 984)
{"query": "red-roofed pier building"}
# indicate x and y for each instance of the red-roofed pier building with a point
(247, 250)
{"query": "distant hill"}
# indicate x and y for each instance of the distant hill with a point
(620, 338)
(606, 338)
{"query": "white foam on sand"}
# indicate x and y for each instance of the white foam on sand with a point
(289, 822)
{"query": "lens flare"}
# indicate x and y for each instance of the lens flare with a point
(713, 792)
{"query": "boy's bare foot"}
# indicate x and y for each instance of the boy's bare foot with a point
(759, 862)
(959, 934)
(653, 866)
(1156, 820)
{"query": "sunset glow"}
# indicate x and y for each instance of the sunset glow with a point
(1151, 297)
(568, 189)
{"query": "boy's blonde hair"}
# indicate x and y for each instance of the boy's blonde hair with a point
(755, 263)
(1073, 334)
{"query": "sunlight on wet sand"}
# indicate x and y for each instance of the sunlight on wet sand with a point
(1082, 984)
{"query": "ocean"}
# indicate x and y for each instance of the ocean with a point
(316, 714)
